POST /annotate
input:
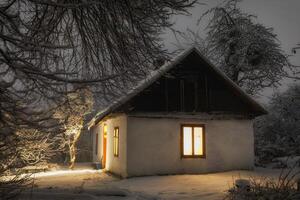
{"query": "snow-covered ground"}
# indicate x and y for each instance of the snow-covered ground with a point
(95, 184)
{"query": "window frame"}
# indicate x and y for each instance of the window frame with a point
(116, 154)
(203, 142)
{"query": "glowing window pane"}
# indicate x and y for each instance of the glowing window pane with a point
(187, 141)
(198, 141)
(116, 142)
(117, 146)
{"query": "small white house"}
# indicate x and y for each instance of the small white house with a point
(186, 117)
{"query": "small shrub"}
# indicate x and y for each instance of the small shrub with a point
(285, 188)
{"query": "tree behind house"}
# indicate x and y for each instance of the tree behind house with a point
(278, 133)
(248, 52)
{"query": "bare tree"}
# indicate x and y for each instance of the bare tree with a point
(72, 116)
(247, 51)
(48, 46)
(35, 146)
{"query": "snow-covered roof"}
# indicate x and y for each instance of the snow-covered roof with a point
(155, 75)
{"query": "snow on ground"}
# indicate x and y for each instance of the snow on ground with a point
(205, 186)
(95, 184)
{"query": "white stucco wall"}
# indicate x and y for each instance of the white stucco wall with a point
(154, 146)
(117, 165)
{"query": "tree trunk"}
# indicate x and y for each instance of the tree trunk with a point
(72, 156)
(72, 148)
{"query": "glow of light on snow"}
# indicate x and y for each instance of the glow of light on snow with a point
(66, 172)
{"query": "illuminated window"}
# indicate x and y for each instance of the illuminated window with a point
(192, 141)
(116, 141)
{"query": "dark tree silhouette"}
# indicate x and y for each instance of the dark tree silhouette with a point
(277, 134)
(50, 47)
(247, 51)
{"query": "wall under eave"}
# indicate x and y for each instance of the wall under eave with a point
(154, 146)
(117, 165)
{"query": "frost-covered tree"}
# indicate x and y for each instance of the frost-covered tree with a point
(72, 116)
(278, 133)
(36, 147)
(247, 51)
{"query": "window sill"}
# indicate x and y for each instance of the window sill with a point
(200, 156)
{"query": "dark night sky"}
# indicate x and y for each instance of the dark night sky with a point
(283, 16)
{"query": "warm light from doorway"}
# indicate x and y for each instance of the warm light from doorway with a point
(105, 131)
